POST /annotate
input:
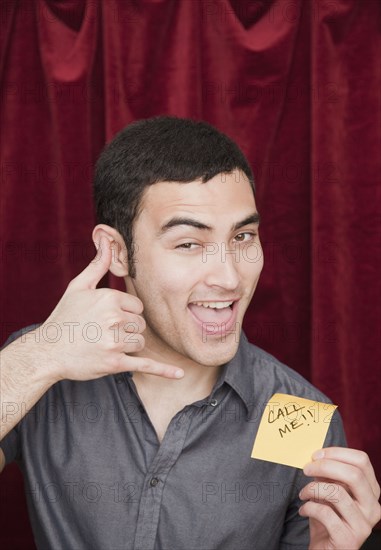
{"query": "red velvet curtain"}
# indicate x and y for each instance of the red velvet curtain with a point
(295, 82)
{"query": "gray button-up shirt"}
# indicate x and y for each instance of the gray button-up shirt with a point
(97, 477)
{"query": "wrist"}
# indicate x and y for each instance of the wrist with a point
(30, 360)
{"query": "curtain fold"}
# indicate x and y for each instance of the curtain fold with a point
(295, 82)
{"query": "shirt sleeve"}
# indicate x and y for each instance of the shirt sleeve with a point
(10, 444)
(295, 534)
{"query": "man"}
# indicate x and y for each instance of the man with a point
(114, 457)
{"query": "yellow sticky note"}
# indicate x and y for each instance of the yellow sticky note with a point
(291, 429)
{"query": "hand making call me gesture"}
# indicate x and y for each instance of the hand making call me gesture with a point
(118, 318)
(342, 500)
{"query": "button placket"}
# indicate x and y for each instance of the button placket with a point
(167, 455)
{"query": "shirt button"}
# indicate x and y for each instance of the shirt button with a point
(154, 481)
(213, 402)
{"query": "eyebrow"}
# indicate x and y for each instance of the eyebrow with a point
(180, 220)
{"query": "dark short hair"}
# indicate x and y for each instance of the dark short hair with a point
(149, 151)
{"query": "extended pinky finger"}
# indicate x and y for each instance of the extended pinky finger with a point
(149, 366)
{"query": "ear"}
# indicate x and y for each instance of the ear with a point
(119, 262)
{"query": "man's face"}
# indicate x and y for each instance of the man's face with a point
(198, 260)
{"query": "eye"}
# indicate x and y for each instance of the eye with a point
(241, 236)
(187, 246)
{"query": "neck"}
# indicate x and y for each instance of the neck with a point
(162, 397)
(196, 384)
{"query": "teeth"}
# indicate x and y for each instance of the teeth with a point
(216, 305)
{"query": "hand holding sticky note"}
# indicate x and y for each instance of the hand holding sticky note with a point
(291, 429)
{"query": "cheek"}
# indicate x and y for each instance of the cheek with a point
(174, 272)
(253, 257)
(250, 268)
(258, 266)
(165, 280)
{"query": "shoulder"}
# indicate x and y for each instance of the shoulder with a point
(269, 373)
(266, 375)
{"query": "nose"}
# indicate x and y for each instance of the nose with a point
(222, 268)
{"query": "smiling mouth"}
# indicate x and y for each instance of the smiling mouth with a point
(214, 305)
(217, 313)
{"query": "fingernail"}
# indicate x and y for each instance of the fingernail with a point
(179, 373)
(307, 469)
(318, 454)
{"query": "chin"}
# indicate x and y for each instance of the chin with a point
(217, 356)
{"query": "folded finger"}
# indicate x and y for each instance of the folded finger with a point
(353, 457)
(340, 531)
(351, 476)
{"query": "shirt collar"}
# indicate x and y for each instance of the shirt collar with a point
(236, 373)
